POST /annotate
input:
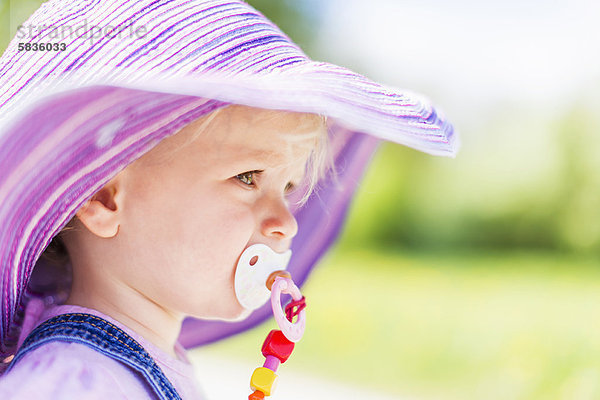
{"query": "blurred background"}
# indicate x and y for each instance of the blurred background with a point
(469, 278)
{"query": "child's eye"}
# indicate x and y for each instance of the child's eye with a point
(247, 177)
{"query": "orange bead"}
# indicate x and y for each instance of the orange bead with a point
(277, 345)
(256, 395)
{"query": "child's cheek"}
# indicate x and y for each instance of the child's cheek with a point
(240, 225)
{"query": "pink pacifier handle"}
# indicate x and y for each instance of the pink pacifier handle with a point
(292, 331)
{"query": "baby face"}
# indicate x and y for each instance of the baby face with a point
(192, 205)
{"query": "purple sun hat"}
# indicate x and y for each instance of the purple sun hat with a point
(87, 87)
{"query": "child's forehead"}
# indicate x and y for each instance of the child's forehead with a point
(240, 133)
(257, 132)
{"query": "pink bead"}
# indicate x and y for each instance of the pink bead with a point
(272, 363)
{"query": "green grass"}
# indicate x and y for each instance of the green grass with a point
(449, 326)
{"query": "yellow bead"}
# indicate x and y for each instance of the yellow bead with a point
(263, 379)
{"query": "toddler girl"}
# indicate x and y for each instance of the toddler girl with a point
(139, 168)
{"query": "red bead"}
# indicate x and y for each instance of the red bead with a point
(277, 345)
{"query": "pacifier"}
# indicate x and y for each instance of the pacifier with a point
(255, 266)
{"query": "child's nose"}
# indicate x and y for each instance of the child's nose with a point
(278, 221)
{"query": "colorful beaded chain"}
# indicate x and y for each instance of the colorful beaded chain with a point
(279, 344)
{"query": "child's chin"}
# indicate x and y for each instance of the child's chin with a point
(245, 313)
(236, 314)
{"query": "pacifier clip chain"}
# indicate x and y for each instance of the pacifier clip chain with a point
(279, 344)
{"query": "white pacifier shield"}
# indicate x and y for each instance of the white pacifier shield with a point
(250, 280)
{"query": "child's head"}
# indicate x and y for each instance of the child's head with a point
(170, 227)
(167, 229)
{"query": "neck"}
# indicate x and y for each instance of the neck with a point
(132, 308)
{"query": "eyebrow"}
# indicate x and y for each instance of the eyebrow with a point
(258, 154)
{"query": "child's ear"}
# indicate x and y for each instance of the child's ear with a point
(101, 213)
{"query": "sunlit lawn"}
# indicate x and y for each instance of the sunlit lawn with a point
(449, 326)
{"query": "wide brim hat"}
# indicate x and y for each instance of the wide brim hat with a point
(83, 105)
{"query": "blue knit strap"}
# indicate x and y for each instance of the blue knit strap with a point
(103, 336)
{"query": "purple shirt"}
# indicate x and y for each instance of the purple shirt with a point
(63, 370)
